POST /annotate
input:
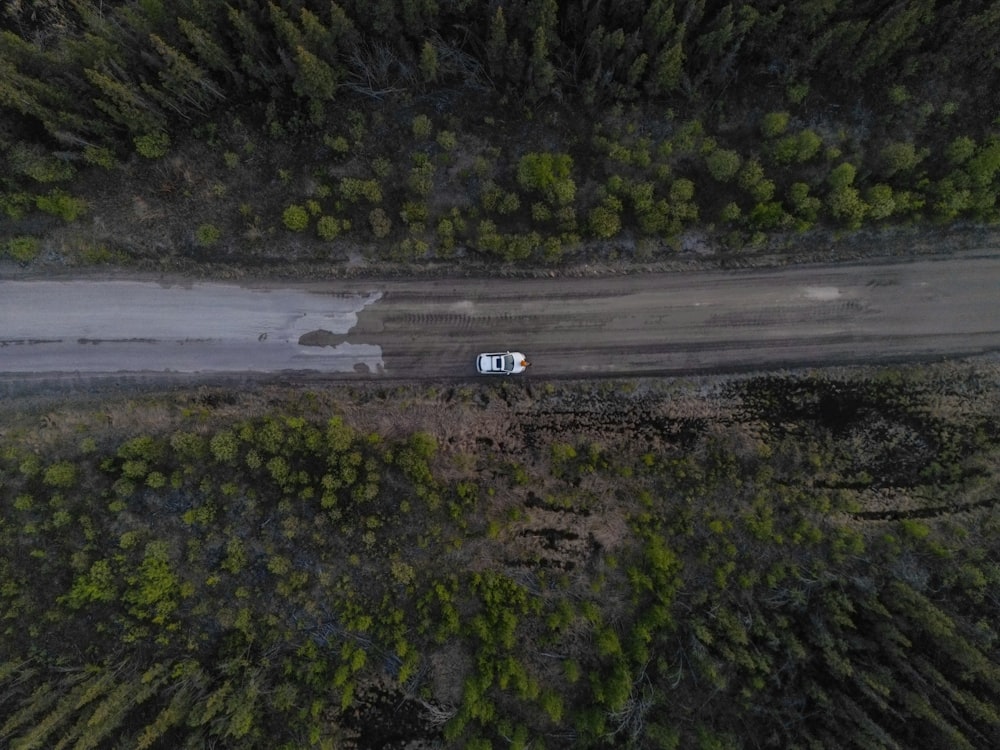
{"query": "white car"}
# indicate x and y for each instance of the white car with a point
(501, 363)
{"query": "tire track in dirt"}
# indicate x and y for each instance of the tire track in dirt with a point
(937, 511)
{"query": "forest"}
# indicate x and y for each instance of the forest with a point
(803, 559)
(796, 561)
(261, 134)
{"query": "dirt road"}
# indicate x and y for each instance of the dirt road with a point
(619, 325)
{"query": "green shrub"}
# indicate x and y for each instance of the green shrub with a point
(429, 62)
(421, 178)
(899, 157)
(382, 167)
(682, 190)
(61, 475)
(983, 167)
(841, 176)
(152, 145)
(960, 150)
(750, 174)
(548, 174)
(723, 164)
(730, 213)
(15, 204)
(751, 178)
(952, 200)
(446, 234)
(61, 204)
(846, 205)
(337, 143)
(447, 140)
(208, 234)
(769, 215)
(93, 255)
(295, 218)
(774, 124)
(898, 95)
(354, 189)
(797, 148)
(22, 249)
(411, 248)
(604, 221)
(99, 156)
(36, 163)
(422, 127)
(804, 205)
(881, 203)
(380, 223)
(509, 203)
(796, 92)
(541, 212)
(328, 227)
(413, 213)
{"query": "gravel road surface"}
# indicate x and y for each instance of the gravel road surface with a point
(574, 327)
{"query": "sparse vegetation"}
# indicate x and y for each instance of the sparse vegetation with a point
(788, 560)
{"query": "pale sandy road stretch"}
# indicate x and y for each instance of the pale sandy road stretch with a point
(619, 325)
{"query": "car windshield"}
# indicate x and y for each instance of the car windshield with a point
(508, 362)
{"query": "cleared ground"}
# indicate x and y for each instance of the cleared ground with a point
(574, 327)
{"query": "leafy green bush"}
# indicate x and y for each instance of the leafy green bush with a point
(730, 213)
(15, 204)
(21, 249)
(354, 189)
(208, 234)
(328, 227)
(774, 124)
(796, 92)
(841, 176)
(446, 139)
(881, 203)
(295, 218)
(805, 206)
(152, 145)
(604, 220)
(34, 162)
(446, 234)
(751, 178)
(548, 174)
(723, 164)
(99, 156)
(421, 178)
(899, 157)
(985, 164)
(846, 205)
(414, 213)
(98, 254)
(61, 204)
(682, 190)
(960, 150)
(797, 148)
(951, 199)
(379, 222)
(422, 127)
(769, 215)
(61, 475)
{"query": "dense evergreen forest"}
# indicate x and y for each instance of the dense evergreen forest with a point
(807, 561)
(518, 130)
